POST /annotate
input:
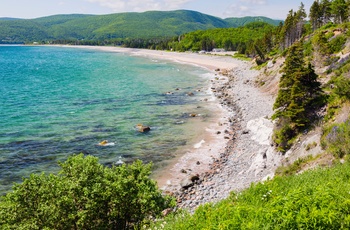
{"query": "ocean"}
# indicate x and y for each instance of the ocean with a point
(59, 101)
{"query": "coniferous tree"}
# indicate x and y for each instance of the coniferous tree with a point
(298, 98)
(315, 15)
(339, 10)
(293, 27)
(325, 6)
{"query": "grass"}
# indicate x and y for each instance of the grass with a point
(316, 199)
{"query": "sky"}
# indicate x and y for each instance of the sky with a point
(276, 9)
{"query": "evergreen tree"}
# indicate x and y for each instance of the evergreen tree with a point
(315, 15)
(340, 11)
(293, 28)
(298, 98)
(325, 7)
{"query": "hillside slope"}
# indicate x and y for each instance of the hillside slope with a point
(151, 24)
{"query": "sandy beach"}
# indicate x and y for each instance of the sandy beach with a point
(235, 150)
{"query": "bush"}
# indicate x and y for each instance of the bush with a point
(84, 195)
(337, 43)
(336, 139)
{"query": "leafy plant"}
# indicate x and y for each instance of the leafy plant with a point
(84, 195)
(336, 138)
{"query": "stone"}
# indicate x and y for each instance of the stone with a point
(167, 211)
(186, 183)
(142, 128)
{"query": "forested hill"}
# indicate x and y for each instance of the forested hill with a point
(152, 24)
(237, 22)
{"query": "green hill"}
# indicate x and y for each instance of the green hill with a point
(237, 22)
(152, 24)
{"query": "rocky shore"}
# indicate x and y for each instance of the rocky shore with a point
(248, 156)
(238, 151)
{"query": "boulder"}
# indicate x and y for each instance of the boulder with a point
(142, 128)
(186, 183)
(189, 181)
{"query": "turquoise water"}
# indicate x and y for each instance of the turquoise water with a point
(56, 102)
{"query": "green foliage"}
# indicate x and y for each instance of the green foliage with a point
(337, 44)
(231, 39)
(293, 168)
(298, 99)
(317, 199)
(84, 195)
(336, 138)
(237, 22)
(122, 26)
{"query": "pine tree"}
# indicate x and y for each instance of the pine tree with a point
(340, 11)
(298, 98)
(325, 7)
(315, 15)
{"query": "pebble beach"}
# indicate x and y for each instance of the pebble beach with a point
(236, 150)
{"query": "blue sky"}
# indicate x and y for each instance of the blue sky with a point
(277, 9)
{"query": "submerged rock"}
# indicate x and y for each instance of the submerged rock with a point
(142, 128)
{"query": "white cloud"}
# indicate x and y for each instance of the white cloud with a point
(141, 5)
(244, 8)
(258, 2)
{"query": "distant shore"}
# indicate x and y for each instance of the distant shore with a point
(236, 149)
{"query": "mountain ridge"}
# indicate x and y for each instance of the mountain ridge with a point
(149, 24)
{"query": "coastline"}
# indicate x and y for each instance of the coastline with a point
(235, 150)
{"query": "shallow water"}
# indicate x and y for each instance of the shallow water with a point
(57, 101)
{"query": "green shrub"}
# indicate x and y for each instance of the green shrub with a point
(337, 43)
(84, 195)
(336, 138)
(293, 168)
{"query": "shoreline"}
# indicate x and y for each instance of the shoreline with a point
(236, 150)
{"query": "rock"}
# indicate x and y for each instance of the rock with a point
(186, 183)
(189, 181)
(142, 128)
(193, 115)
(167, 211)
(198, 163)
(183, 171)
(190, 94)
(194, 178)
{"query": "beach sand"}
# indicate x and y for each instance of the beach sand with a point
(236, 149)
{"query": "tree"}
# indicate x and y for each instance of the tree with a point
(325, 6)
(339, 10)
(293, 27)
(84, 195)
(298, 99)
(315, 15)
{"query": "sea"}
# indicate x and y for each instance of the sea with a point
(59, 101)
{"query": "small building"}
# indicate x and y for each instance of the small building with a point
(219, 50)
